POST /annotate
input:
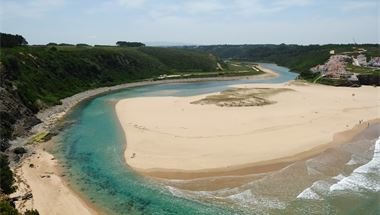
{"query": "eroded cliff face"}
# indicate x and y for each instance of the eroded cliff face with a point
(15, 118)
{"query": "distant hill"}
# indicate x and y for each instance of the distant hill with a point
(296, 57)
(167, 44)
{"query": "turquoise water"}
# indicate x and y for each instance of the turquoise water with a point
(91, 148)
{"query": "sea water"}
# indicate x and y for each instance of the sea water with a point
(91, 150)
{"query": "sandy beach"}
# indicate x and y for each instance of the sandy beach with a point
(51, 195)
(171, 137)
(39, 174)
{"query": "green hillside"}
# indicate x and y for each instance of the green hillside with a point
(298, 58)
(36, 77)
(44, 75)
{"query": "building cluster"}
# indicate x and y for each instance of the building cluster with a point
(335, 67)
(361, 60)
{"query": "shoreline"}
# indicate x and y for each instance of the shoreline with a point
(40, 174)
(49, 119)
(339, 138)
(50, 116)
(153, 133)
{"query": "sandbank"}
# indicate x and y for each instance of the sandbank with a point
(170, 137)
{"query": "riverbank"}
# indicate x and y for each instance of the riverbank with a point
(51, 194)
(50, 116)
(168, 137)
(40, 175)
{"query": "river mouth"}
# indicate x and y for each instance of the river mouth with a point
(91, 150)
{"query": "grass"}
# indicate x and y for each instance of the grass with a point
(43, 75)
(233, 69)
(362, 70)
(39, 138)
(242, 97)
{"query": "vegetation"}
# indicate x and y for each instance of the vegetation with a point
(36, 77)
(43, 76)
(182, 59)
(9, 40)
(82, 45)
(242, 97)
(6, 121)
(363, 70)
(7, 209)
(40, 137)
(6, 176)
(296, 57)
(129, 44)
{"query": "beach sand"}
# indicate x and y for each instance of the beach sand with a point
(169, 137)
(51, 195)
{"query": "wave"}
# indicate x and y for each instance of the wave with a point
(363, 178)
(248, 199)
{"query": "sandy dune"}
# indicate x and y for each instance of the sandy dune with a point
(169, 134)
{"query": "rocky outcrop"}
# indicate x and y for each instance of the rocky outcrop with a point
(15, 118)
(369, 79)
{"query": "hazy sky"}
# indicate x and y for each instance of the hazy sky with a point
(193, 21)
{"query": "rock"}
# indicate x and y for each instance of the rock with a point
(19, 150)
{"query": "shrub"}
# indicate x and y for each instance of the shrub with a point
(6, 176)
(7, 209)
(31, 212)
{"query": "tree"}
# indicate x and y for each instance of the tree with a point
(6, 208)
(129, 44)
(83, 45)
(52, 44)
(10, 40)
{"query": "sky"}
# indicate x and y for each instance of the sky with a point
(196, 22)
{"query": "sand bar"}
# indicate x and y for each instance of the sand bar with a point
(167, 136)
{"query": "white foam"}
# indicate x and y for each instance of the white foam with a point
(315, 191)
(339, 177)
(176, 192)
(247, 199)
(366, 177)
(312, 171)
(308, 193)
(352, 162)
